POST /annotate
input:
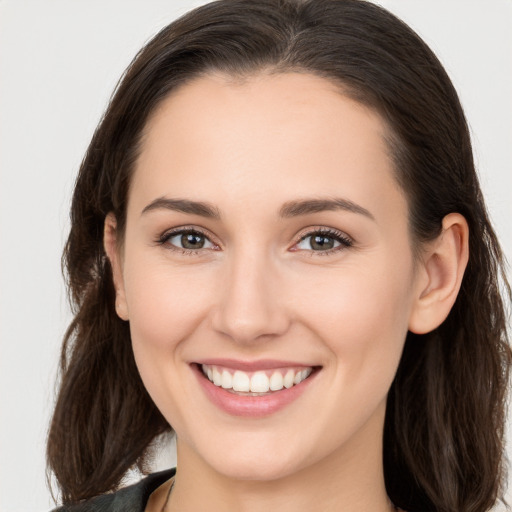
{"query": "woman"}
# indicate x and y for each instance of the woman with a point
(280, 249)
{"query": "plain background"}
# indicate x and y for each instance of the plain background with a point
(59, 62)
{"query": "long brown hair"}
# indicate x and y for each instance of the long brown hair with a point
(444, 426)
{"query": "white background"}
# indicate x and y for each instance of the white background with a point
(59, 62)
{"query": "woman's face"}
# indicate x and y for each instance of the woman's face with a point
(267, 242)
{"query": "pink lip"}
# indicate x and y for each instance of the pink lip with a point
(251, 366)
(250, 406)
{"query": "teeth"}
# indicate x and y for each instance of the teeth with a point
(257, 382)
(217, 377)
(288, 379)
(227, 380)
(276, 381)
(260, 383)
(241, 381)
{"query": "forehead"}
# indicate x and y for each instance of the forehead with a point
(295, 130)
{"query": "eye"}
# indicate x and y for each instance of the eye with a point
(324, 241)
(188, 240)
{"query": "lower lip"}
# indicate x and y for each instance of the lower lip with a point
(251, 406)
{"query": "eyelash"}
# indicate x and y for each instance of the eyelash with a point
(344, 241)
(165, 237)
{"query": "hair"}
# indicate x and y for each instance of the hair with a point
(444, 425)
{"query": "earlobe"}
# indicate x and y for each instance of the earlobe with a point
(111, 246)
(441, 276)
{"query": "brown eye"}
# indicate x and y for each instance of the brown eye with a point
(189, 240)
(324, 241)
(192, 241)
(321, 242)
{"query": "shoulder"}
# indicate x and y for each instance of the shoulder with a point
(128, 499)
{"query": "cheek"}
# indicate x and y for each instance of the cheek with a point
(165, 303)
(165, 307)
(362, 314)
(362, 321)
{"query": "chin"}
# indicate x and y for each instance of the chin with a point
(254, 456)
(263, 469)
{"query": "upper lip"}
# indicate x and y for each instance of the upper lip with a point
(251, 366)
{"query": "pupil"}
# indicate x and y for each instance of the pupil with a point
(192, 241)
(322, 242)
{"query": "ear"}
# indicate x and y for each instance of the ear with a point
(110, 243)
(440, 275)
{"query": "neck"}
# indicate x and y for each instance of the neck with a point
(350, 479)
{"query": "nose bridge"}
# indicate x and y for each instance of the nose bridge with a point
(250, 304)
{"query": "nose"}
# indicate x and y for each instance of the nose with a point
(250, 303)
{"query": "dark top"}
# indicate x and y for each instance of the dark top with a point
(133, 498)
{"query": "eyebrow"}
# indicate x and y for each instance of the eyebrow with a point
(307, 206)
(288, 210)
(200, 208)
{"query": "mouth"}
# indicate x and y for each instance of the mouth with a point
(258, 383)
(253, 389)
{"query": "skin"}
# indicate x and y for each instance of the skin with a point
(258, 290)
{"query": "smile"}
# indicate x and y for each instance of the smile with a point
(253, 390)
(255, 383)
